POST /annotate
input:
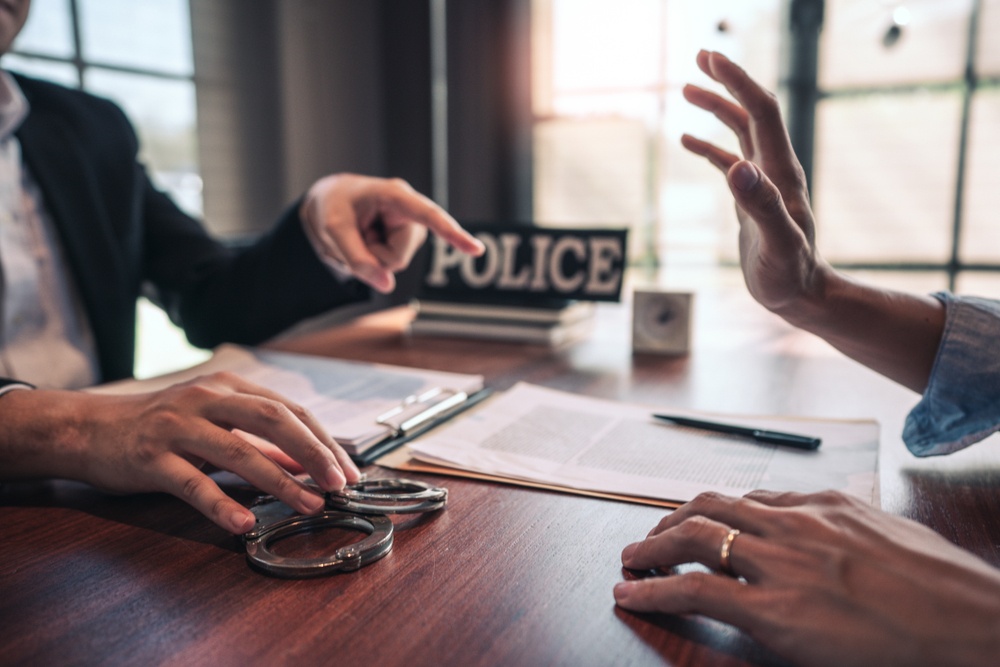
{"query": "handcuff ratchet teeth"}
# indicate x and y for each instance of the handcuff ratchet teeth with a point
(362, 507)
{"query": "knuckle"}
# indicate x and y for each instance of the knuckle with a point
(398, 188)
(400, 184)
(800, 175)
(833, 499)
(225, 377)
(761, 495)
(300, 413)
(273, 413)
(202, 389)
(146, 449)
(191, 487)
(769, 103)
(285, 487)
(776, 498)
(221, 509)
(771, 200)
(691, 589)
(694, 530)
(743, 505)
(663, 523)
(709, 499)
(236, 450)
(788, 521)
(163, 422)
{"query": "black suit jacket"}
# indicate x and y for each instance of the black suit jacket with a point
(121, 234)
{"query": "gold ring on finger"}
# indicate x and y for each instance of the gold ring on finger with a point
(725, 552)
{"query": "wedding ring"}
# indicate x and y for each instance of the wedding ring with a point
(725, 564)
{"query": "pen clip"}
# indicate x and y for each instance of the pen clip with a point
(417, 409)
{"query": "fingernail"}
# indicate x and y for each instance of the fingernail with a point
(627, 553)
(242, 521)
(376, 277)
(745, 176)
(623, 589)
(334, 478)
(310, 501)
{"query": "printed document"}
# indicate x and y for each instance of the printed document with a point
(553, 438)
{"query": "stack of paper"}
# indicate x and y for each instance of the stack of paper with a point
(544, 437)
(553, 323)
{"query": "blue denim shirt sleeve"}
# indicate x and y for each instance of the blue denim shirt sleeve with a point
(961, 404)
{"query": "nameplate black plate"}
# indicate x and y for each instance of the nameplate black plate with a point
(531, 264)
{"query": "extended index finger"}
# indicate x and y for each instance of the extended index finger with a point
(766, 125)
(404, 201)
(733, 115)
(720, 598)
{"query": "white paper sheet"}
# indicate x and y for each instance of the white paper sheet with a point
(542, 435)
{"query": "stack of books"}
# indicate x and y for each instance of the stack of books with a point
(554, 323)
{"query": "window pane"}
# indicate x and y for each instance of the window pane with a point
(600, 45)
(988, 51)
(63, 73)
(884, 176)
(163, 111)
(607, 79)
(48, 30)
(976, 283)
(161, 346)
(697, 215)
(638, 105)
(745, 30)
(152, 34)
(593, 172)
(980, 241)
(881, 43)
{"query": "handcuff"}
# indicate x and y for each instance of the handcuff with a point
(362, 507)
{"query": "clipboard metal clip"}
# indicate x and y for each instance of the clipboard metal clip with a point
(418, 409)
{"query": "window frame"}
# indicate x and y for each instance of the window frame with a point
(81, 64)
(805, 49)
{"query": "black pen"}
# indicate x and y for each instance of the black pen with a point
(758, 434)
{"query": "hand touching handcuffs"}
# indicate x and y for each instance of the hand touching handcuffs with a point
(363, 507)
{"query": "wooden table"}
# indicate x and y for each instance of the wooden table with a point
(504, 576)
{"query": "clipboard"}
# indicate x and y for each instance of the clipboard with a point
(369, 408)
(415, 425)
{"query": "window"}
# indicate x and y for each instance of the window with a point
(135, 53)
(909, 98)
(139, 55)
(607, 80)
(903, 166)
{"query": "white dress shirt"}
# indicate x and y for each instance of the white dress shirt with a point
(45, 338)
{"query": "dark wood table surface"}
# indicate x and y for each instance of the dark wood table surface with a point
(504, 576)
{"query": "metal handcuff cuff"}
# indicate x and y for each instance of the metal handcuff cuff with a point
(362, 507)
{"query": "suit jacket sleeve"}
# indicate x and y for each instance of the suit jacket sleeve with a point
(218, 294)
(123, 237)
